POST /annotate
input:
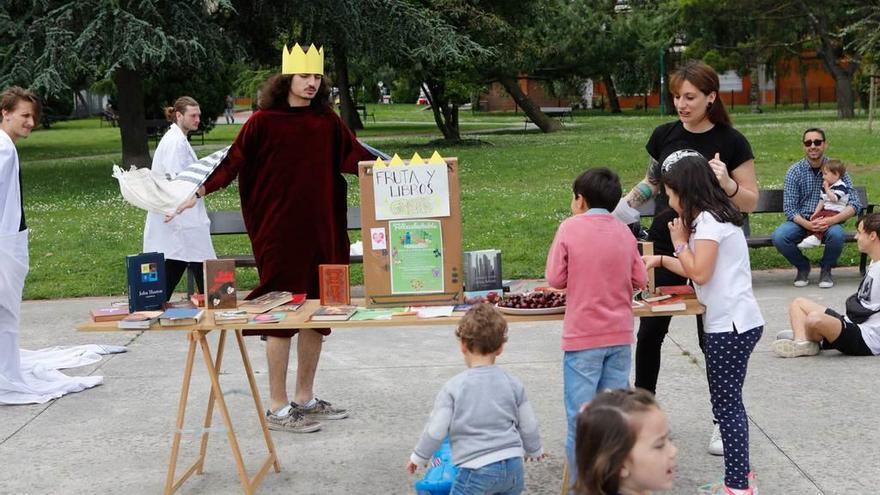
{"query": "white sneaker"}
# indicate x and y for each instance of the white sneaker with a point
(795, 348)
(785, 335)
(716, 444)
(810, 241)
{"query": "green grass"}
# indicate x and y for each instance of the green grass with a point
(515, 188)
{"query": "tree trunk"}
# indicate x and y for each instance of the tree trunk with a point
(805, 95)
(445, 114)
(830, 57)
(613, 102)
(545, 123)
(346, 104)
(754, 88)
(132, 126)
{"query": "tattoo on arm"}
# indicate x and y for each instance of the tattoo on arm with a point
(647, 188)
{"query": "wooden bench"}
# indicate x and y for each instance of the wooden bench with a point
(232, 222)
(558, 112)
(770, 201)
(46, 120)
(362, 109)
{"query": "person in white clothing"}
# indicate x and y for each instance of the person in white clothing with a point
(711, 250)
(19, 382)
(857, 333)
(185, 239)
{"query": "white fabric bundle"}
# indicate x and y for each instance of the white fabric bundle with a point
(141, 188)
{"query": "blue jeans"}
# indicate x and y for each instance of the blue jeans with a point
(501, 478)
(787, 236)
(586, 373)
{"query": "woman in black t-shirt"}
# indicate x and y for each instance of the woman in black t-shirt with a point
(703, 125)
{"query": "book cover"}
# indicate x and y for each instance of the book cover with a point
(180, 316)
(273, 317)
(139, 320)
(674, 303)
(220, 289)
(198, 300)
(229, 317)
(112, 313)
(482, 271)
(267, 301)
(334, 313)
(334, 285)
(146, 281)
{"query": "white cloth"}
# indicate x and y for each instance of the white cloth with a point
(28, 377)
(728, 295)
(10, 194)
(187, 237)
(162, 195)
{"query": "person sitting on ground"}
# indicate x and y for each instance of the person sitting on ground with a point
(624, 445)
(815, 327)
(833, 200)
(485, 413)
(803, 186)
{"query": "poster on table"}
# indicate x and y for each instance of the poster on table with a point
(416, 256)
(413, 190)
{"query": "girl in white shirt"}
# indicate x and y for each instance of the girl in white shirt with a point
(185, 240)
(711, 250)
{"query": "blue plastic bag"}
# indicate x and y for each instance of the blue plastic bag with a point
(439, 477)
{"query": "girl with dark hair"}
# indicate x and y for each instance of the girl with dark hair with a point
(623, 445)
(711, 250)
(703, 125)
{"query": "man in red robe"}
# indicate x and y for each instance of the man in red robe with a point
(289, 158)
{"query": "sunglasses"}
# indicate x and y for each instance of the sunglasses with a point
(814, 142)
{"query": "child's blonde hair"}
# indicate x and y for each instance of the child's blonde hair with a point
(482, 329)
(835, 166)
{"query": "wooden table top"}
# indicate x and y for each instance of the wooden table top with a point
(300, 319)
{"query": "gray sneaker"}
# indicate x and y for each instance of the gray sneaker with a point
(785, 335)
(321, 410)
(825, 280)
(795, 348)
(803, 278)
(293, 421)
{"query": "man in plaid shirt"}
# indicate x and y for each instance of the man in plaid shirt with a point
(803, 185)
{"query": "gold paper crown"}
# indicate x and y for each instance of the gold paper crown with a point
(296, 61)
(397, 161)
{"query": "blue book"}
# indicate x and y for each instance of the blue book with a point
(146, 281)
(181, 316)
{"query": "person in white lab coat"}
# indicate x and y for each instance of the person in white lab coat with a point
(185, 239)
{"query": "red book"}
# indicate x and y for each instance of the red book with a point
(674, 303)
(676, 290)
(112, 313)
(334, 285)
(220, 289)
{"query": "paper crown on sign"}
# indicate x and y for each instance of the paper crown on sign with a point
(397, 161)
(297, 61)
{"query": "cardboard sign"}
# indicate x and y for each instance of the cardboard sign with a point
(411, 191)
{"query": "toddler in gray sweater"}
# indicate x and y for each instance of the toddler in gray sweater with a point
(485, 413)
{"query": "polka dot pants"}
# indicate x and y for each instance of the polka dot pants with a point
(727, 359)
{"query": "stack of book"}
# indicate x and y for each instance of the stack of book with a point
(177, 317)
(139, 320)
(334, 313)
(270, 300)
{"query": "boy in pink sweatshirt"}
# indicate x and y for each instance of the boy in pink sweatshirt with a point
(596, 259)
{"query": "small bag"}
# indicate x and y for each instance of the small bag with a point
(855, 311)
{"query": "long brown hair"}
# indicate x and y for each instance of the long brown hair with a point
(606, 433)
(706, 80)
(180, 105)
(11, 96)
(273, 93)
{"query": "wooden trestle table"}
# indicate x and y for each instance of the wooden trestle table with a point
(196, 336)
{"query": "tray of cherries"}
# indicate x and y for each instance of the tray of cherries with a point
(538, 302)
